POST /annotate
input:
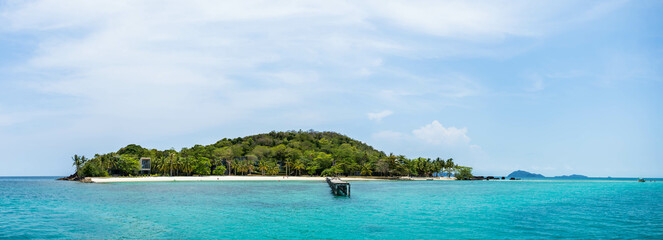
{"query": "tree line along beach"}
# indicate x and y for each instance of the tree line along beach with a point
(292, 155)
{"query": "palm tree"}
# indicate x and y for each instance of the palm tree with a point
(243, 167)
(103, 161)
(155, 164)
(171, 158)
(429, 167)
(235, 164)
(165, 165)
(250, 165)
(299, 165)
(288, 164)
(250, 162)
(113, 162)
(263, 166)
(187, 165)
(78, 162)
(450, 166)
(367, 169)
(177, 165)
(274, 169)
(438, 166)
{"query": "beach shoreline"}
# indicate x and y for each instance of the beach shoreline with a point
(242, 178)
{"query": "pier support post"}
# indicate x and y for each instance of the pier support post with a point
(338, 187)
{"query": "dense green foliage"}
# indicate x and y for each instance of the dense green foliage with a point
(464, 173)
(287, 153)
(93, 168)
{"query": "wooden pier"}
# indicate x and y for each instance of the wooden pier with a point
(338, 187)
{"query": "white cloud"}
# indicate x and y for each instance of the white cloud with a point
(432, 141)
(437, 134)
(378, 116)
(433, 134)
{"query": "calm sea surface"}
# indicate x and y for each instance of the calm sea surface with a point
(43, 208)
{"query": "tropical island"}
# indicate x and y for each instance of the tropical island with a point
(290, 153)
(526, 174)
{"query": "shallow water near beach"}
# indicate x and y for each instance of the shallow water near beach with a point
(40, 207)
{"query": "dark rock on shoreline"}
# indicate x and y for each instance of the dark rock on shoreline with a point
(72, 177)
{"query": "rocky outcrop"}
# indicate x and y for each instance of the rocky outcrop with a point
(72, 177)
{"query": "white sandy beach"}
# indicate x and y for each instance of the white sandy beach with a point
(233, 178)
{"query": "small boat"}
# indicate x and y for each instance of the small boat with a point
(641, 180)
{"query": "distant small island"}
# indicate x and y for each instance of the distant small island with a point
(290, 153)
(526, 174)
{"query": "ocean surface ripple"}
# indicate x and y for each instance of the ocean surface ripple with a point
(39, 207)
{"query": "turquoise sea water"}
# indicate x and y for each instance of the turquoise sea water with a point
(43, 208)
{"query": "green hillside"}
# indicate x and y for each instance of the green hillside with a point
(275, 153)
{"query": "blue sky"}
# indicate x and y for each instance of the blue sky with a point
(553, 87)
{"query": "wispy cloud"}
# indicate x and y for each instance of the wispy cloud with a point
(162, 62)
(378, 116)
(436, 134)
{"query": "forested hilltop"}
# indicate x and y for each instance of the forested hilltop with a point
(275, 153)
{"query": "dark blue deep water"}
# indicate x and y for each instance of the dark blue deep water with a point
(44, 208)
